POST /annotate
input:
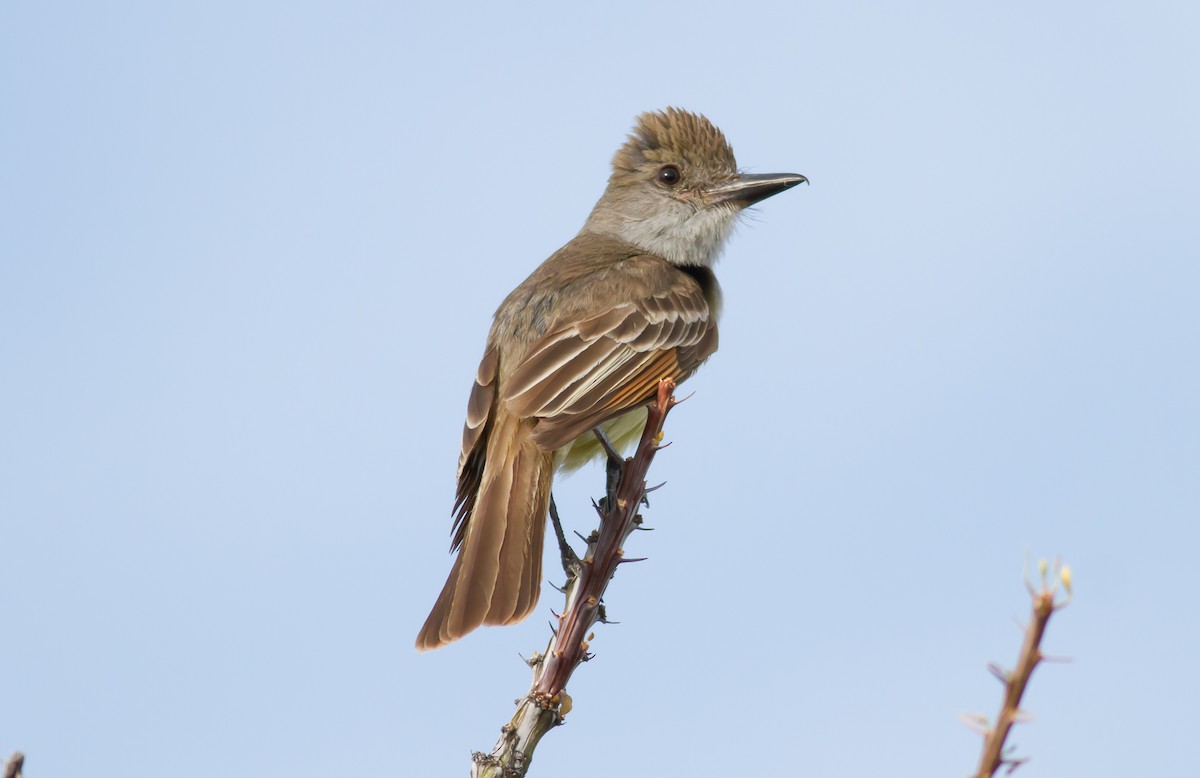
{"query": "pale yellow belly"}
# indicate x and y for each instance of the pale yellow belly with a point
(623, 431)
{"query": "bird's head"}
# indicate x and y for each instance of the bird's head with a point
(675, 189)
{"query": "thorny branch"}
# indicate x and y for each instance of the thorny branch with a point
(1016, 681)
(547, 702)
(13, 768)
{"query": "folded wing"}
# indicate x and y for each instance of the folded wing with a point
(587, 372)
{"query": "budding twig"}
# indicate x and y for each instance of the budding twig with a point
(1045, 602)
(13, 768)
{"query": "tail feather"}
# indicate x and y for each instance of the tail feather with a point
(496, 578)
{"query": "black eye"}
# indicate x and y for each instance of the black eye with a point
(669, 175)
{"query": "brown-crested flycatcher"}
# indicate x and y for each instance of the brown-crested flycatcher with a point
(577, 350)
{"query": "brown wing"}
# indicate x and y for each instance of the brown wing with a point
(474, 442)
(587, 372)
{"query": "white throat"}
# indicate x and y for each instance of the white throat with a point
(682, 235)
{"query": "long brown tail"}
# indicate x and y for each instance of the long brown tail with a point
(497, 576)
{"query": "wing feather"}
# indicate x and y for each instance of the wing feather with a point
(474, 441)
(589, 371)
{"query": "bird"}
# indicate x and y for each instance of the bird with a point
(577, 350)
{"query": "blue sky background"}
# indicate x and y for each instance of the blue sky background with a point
(250, 255)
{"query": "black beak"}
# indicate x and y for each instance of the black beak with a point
(750, 188)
